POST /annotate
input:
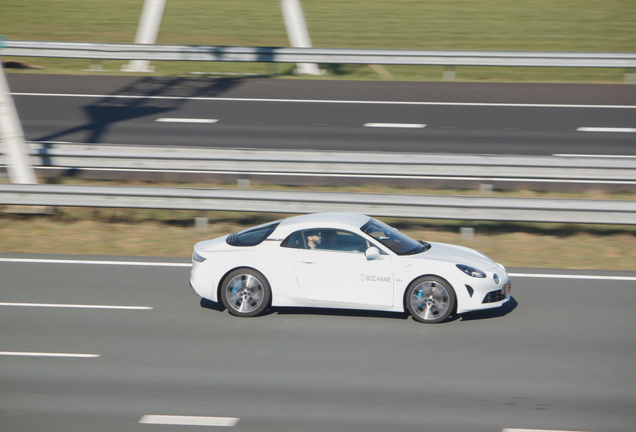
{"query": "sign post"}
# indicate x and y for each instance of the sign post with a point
(12, 136)
(298, 33)
(147, 32)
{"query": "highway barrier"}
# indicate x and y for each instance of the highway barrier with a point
(586, 172)
(116, 51)
(466, 208)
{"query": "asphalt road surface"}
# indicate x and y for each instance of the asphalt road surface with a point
(473, 118)
(559, 356)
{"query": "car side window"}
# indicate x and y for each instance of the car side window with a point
(349, 242)
(336, 240)
(295, 241)
(328, 239)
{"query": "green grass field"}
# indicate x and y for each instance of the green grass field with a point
(508, 25)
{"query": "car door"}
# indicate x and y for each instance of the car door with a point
(341, 273)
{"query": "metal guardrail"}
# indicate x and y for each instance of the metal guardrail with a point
(486, 168)
(416, 206)
(113, 51)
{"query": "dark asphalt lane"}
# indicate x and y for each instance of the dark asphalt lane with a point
(560, 356)
(529, 130)
(577, 94)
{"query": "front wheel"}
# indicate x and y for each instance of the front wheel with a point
(245, 292)
(430, 299)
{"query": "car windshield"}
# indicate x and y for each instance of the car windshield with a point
(390, 237)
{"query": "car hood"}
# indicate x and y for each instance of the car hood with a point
(456, 255)
(210, 245)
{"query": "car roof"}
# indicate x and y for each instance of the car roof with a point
(350, 221)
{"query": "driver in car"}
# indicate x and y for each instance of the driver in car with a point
(314, 239)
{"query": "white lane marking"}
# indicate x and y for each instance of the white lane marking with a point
(75, 306)
(477, 104)
(189, 420)
(586, 277)
(395, 125)
(605, 129)
(532, 430)
(42, 354)
(593, 156)
(186, 120)
(123, 263)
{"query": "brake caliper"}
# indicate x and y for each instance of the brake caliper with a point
(420, 295)
(237, 286)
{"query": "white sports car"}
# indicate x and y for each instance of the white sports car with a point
(345, 261)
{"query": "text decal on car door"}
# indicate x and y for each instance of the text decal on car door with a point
(370, 278)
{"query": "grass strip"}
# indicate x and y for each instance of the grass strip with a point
(501, 25)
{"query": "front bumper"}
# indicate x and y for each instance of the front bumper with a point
(483, 294)
(498, 295)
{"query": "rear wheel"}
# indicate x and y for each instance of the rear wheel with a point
(245, 292)
(430, 299)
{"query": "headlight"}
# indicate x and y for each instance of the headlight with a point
(470, 271)
(198, 258)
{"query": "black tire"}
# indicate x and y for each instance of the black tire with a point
(245, 292)
(430, 299)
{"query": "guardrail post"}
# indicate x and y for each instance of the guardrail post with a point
(298, 33)
(449, 73)
(467, 232)
(201, 222)
(12, 136)
(147, 32)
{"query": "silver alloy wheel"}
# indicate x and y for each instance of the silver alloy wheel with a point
(245, 293)
(430, 300)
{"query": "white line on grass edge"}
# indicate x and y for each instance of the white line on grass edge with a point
(123, 263)
(168, 264)
(561, 276)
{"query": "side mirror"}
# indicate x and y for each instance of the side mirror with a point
(372, 253)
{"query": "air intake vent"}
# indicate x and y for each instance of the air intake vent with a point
(494, 296)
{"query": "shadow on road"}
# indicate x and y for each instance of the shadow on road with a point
(209, 304)
(491, 313)
(337, 312)
(138, 100)
(469, 316)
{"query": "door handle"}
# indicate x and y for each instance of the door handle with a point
(308, 262)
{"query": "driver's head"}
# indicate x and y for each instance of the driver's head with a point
(314, 238)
